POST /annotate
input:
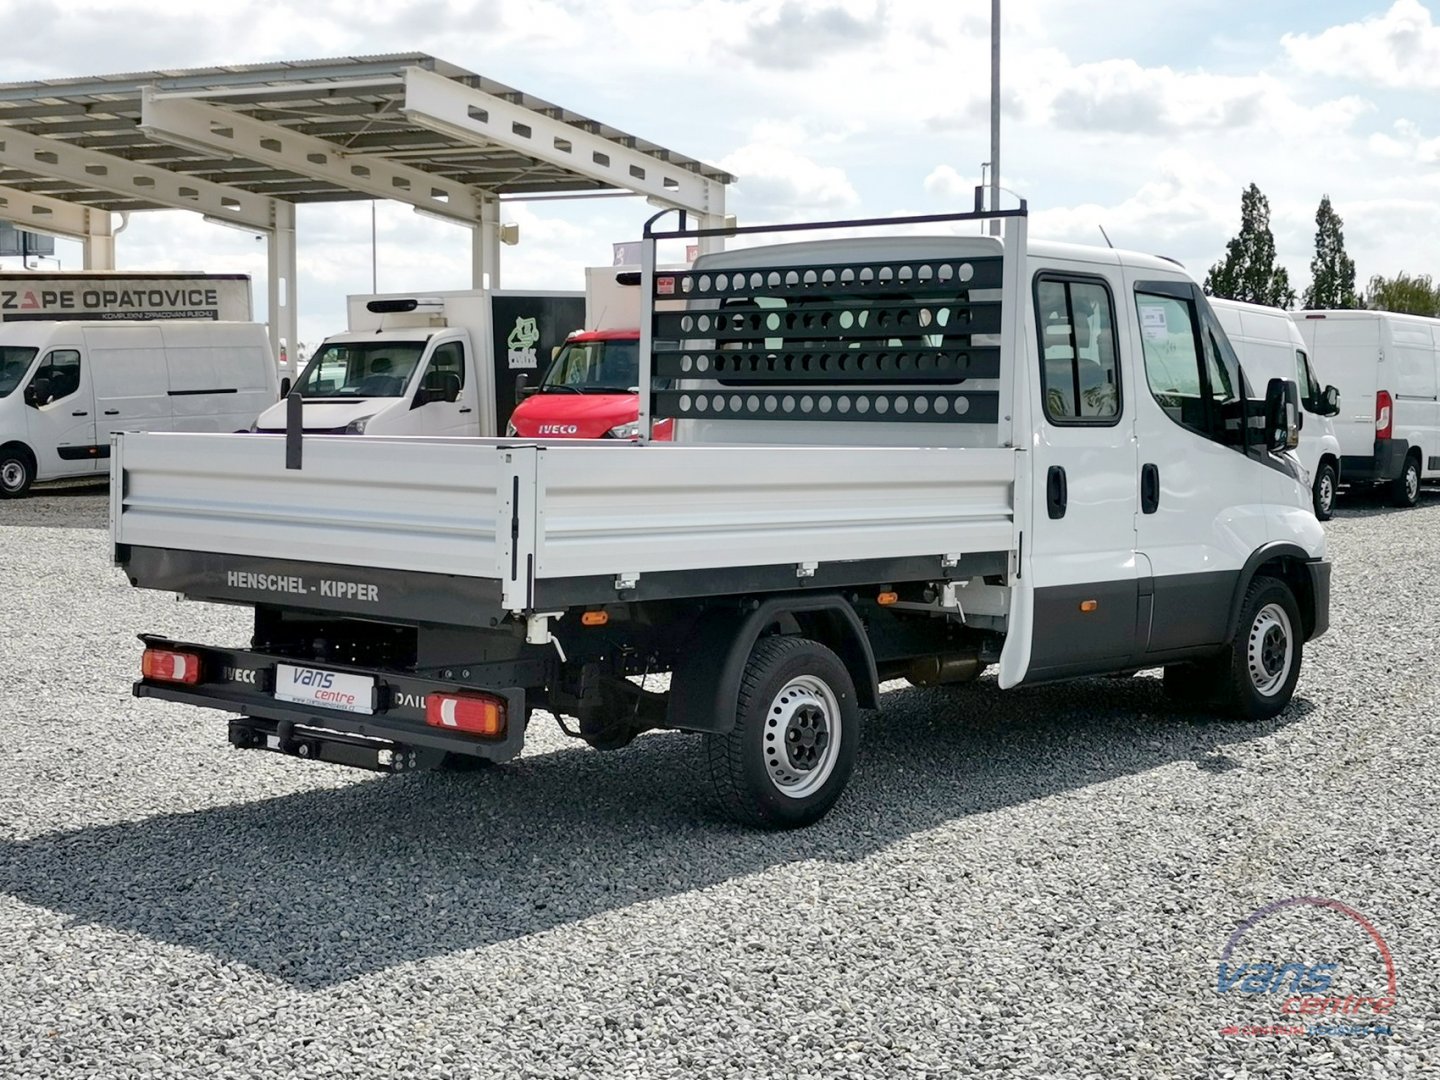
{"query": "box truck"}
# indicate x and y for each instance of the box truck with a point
(428, 363)
(894, 456)
(1387, 368)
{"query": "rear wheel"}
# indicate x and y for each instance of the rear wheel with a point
(1405, 488)
(792, 749)
(1324, 492)
(17, 472)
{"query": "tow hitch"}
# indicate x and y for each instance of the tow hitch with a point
(334, 747)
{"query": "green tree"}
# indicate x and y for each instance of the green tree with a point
(1412, 295)
(1248, 271)
(1332, 272)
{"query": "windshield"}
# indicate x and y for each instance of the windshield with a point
(14, 363)
(360, 369)
(595, 367)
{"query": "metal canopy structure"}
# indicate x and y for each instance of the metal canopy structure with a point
(242, 145)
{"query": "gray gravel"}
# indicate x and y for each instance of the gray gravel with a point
(1031, 884)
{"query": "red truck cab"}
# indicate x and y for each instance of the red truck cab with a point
(589, 391)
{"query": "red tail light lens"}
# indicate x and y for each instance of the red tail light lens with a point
(476, 714)
(165, 665)
(1384, 415)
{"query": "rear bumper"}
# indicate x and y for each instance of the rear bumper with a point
(394, 737)
(1380, 467)
(1320, 590)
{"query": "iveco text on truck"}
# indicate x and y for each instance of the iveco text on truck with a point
(893, 456)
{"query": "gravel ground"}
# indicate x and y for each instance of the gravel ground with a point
(1031, 884)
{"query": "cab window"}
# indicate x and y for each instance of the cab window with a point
(1079, 368)
(449, 359)
(57, 377)
(1192, 372)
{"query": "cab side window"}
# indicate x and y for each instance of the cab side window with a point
(1192, 372)
(58, 376)
(449, 359)
(1079, 367)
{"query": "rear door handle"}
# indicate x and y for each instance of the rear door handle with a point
(1149, 489)
(1057, 492)
(112, 412)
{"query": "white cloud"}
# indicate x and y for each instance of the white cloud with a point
(777, 183)
(1400, 48)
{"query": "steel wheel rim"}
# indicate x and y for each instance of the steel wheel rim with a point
(1271, 650)
(12, 475)
(1327, 493)
(1412, 482)
(802, 737)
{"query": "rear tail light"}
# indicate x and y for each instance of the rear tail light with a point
(476, 714)
(166, 665)
(1384, 415)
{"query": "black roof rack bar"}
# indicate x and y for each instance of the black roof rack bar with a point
(814, 226)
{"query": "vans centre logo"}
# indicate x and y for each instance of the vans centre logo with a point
(1342, 982)
(520, 345)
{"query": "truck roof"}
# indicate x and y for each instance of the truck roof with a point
(938, 247)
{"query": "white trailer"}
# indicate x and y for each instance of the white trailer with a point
(897, 457)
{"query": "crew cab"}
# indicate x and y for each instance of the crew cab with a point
(894, 456)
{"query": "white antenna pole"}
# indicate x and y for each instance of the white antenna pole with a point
(994, 114)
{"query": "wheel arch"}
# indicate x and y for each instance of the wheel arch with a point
(1284, 561)
(705, 685)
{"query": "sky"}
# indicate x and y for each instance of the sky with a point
(1147, 119)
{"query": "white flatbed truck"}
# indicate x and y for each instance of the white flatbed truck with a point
(894, 456)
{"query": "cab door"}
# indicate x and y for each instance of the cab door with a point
(443, 402)
(1082, 535)
(61, 415)
(1204, 483)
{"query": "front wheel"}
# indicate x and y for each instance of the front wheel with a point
(1324, 493)
(1405, 488)
(17, 473)
(1262, 665)
(792, 749)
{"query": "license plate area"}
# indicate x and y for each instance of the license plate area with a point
(327, 689)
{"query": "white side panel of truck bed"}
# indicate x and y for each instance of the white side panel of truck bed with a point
(403, 504)
(628, 508)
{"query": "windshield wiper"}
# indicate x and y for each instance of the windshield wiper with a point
(561, 386)
(607, 390)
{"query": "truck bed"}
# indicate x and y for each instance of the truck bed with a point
(533, 527)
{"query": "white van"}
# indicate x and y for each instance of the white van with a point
(66, 387)
(1270, 347)
(1386, 368)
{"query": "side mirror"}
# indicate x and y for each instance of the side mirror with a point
(37, 393)
(1331, 397)
(1282, 415)
(285, 388)
(523, 389)
(449, 387)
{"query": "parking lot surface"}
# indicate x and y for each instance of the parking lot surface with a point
(1039, 883)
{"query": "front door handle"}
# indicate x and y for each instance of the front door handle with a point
(1149, 489)
(79, 412)
(467, 409)
(112, 412)
(1057, 493)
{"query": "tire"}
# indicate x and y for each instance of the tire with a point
(1259, 670)
(17, 472)
(792, 749)
(1405, 488)
(1323, 493)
